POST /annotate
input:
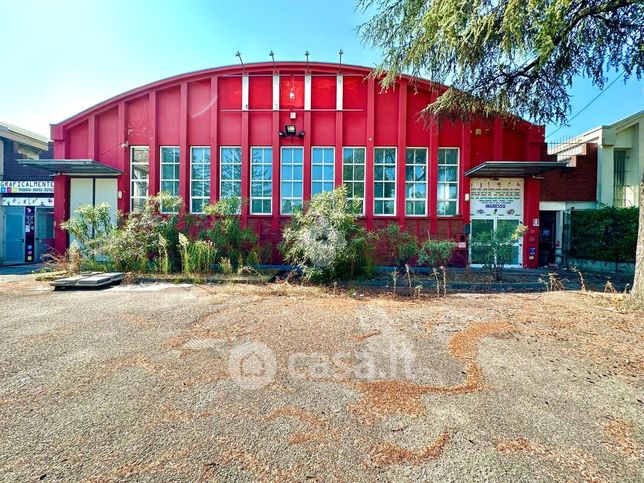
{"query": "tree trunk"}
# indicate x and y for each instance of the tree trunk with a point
(636, 298)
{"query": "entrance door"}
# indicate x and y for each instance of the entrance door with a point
(14, 234)
(547, 237)
(481, 228)
(44, 231)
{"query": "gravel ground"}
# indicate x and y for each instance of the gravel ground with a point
(283, 383)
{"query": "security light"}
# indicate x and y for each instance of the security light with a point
(290, 130)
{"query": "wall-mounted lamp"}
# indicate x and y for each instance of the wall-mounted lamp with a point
(290, 131)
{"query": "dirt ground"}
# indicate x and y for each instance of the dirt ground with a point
(151, 383)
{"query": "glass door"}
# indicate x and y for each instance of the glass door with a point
(44, 231)
(480, 234)
(14, 234)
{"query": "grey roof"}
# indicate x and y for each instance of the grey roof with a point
(27, 135)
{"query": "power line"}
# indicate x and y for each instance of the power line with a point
(586, 106)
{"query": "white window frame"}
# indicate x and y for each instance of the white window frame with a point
(132, 180)
(426, 182)
(293, 181)
(221, 167)
(173, 180)
(353, 181)
(322, 165)
(457, 182)
(263, 181)
(395, 181)
(204, 180)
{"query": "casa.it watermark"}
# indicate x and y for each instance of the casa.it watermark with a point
(253, 365)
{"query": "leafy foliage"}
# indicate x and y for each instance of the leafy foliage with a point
(505, 56)
(496, 247)
(608, 234)
(401, 245)
(326, 241)
(231, 240)
(89, 226)
(436, 253)
(136, 241)
(196, 256)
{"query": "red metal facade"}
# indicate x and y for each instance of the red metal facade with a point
(205, 109)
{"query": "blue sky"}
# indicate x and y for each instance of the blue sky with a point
(63, 56)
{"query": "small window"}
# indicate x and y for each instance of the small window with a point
(169, 173)
(139, 177)
(416, 182)
(230, 175)
(199, 178)
(384, 179)
(291, 179)
(261, 181)
(323, 170)
(353, 174)
(447, 182)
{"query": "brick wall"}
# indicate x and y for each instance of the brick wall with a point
(577, 183)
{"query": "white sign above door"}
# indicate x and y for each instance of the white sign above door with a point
(499, 198)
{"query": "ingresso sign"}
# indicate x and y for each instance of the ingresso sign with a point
(7, 187)
(499, 198)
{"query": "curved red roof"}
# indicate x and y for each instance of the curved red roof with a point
(256, 68)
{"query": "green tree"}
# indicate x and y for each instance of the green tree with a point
(509, 57)
(505, 56)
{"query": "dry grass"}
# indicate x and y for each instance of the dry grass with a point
(381, 398)
(386, 454)
(619, 434)
(574, 460)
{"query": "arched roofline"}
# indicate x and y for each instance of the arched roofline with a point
(257, 68)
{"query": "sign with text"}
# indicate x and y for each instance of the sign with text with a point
(15, 201)
(499, 198)
(26, 187)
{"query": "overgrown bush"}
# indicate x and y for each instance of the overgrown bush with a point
(401, 245)
(196, 256)
(608, 234)
(327, 242)
(436, 253)
(237, 244)
(89, 226)
(496, 247)
(146, 241)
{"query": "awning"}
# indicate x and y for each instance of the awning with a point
(87, 167)
(509, 169)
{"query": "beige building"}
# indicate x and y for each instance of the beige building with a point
(620, 159)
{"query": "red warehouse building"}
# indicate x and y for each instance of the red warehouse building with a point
(277, 133)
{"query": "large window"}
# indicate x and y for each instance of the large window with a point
(323, 163)
(384, 179)
(199, 178)
(291, 179)
(230, 175)
(139, 177)
(353, 164)
(169, 173)
(447, 182)
(416, 182)
(261, 181)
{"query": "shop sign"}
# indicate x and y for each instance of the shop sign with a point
(498, 198)
(26, 187)
(15, 201)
